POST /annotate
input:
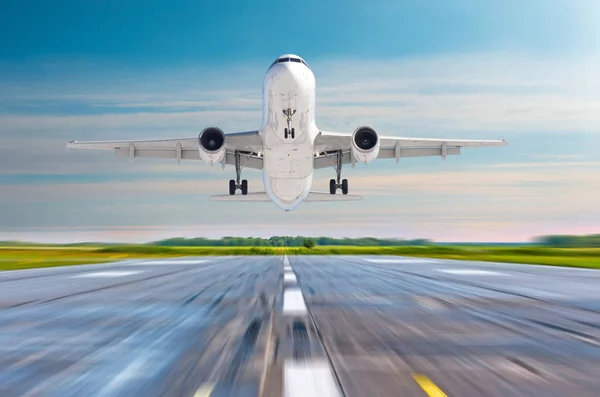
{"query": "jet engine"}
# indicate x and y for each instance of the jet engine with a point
(211, 145)
(365, 144)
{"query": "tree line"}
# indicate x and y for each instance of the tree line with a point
(286, 241)
(567, 241)
(558, 241)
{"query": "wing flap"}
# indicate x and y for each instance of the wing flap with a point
(416, 152)
(160, 154)
(248, 160)
(325, 161)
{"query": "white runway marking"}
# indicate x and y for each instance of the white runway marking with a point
(204, 391)
(309, 379)
(471, 272)
(286, 263)
(293, 302)
(289, 278)
(402, 260)
(115, 273)
(171, 262)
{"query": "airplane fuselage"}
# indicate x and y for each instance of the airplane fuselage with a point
(288, 131)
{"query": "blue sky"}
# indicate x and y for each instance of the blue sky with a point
(162, 32)
(523, 71)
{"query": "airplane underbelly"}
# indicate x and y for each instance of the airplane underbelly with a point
(288, 130)
(288, 160)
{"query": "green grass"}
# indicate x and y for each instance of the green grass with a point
(572, 257)
(23, 257)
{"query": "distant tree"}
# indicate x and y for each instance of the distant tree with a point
(308, 243)
(568, 241)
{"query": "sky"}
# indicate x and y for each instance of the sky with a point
(129, 69)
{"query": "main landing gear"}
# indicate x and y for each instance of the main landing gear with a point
(234, 184)
(334, 184)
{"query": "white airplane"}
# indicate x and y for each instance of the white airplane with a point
(289, 146)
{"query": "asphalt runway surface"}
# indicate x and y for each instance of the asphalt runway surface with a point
(300, 326)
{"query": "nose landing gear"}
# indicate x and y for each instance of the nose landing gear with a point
(289, 132)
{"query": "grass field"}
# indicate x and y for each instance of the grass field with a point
(23, 257)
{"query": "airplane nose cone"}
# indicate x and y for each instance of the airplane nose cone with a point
(284, 75)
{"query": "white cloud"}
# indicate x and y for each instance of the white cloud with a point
(485, 93)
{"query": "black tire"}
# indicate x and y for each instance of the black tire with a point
(285, 133)
(344, 186)
(293, 133)
(332, 186)
(232, 187)
(244, 187)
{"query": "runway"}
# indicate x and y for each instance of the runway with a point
(300, 326)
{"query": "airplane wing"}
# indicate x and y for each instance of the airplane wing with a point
(392, 147)
(249, 143)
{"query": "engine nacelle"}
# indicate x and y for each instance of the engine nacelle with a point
(211, 145)
(365, 144)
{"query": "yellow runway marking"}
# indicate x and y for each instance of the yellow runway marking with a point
(430, 388)
(204, 391)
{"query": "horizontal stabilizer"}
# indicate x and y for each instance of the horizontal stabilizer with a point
(262, 197)
(326, 196)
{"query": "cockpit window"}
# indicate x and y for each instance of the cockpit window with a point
(289, 59)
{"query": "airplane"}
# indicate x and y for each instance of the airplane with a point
(289, 146)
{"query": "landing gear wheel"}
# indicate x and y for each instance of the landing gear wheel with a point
(244, 187)
(332, 186)
(285, 133)
(293, 133)
(345, 186)
(232, 187)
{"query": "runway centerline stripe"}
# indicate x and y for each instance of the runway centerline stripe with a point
(293, 302)
(428, 386)
(204, 390)
(289, 278)
(309, 379)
